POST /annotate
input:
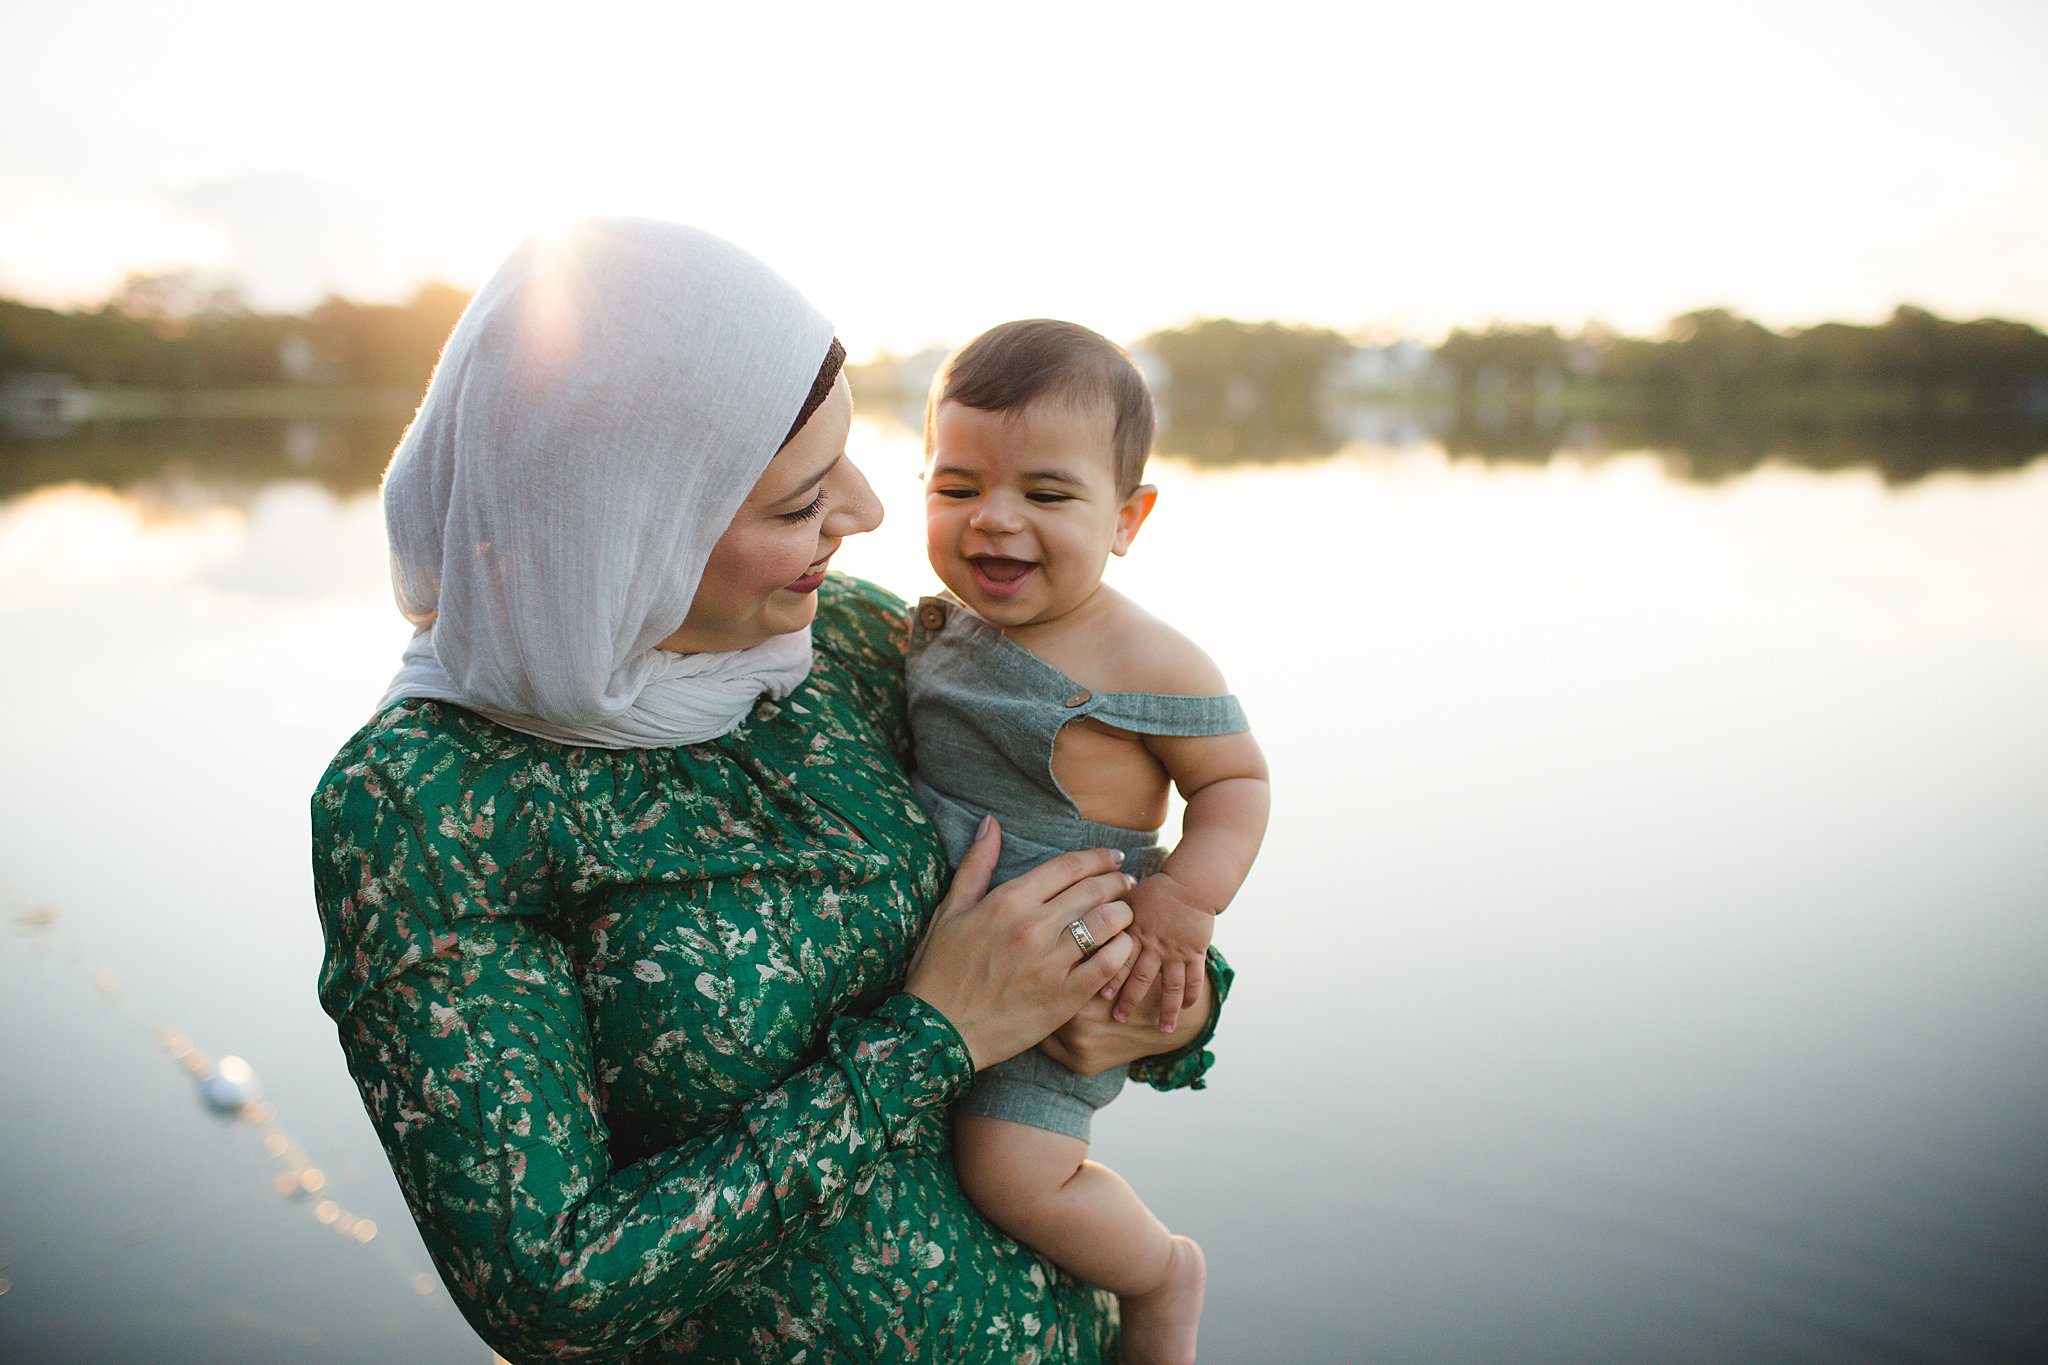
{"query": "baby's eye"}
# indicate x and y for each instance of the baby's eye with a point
(1047, 496)
(953, 492)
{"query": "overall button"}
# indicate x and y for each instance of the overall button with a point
(932, 616)
(1079, 698)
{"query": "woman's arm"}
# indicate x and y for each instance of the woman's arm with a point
(552, 1252)
(462, 1020)
(463, 1025)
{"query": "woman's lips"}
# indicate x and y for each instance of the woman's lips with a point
(1002, 578)
(813, 579)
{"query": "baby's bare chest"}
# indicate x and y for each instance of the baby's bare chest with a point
(1111, 776)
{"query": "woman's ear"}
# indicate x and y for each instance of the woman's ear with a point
(1131, 516)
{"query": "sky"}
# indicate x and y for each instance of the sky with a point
(926, 170)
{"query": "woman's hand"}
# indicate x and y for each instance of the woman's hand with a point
(1093, 1041)
(1002, 966)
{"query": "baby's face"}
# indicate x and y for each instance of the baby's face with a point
(1022, 510)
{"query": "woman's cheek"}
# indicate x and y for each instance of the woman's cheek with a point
(768, 558)
(798, 554)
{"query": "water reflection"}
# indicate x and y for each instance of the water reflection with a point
(1223, 430)
(1228, 432)
(343, 454)
(1711, 446)
(1648, 961)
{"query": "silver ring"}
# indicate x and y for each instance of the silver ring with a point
(1083, 940)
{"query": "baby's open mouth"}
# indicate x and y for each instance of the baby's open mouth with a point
(1000, 577)
(1003, 570)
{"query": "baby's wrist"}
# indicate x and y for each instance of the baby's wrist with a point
(1166, 888)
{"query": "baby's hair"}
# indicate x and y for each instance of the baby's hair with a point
(1009, 367)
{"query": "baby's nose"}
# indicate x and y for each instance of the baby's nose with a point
(995, 515)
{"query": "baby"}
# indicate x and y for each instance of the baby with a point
(1052, 702)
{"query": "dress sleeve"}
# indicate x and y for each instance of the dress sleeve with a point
(464, 1029)
(1188, 1068)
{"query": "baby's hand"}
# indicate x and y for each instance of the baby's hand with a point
(1172, 935)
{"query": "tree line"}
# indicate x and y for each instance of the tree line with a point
(181, 332)
(1913, 361)
(1716, 392)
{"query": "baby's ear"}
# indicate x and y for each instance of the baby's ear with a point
(1131, 516)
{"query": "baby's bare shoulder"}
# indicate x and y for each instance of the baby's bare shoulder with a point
(1152, 656)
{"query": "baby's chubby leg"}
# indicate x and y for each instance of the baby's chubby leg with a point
(1041, 1188)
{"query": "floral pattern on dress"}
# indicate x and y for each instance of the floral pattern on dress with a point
(628, 1025)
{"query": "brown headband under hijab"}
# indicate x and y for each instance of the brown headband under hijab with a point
(828, 374)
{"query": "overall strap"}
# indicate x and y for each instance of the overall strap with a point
(1159, 713)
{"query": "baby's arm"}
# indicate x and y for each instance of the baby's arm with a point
(1223, 780)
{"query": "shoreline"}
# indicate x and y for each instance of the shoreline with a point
(113, 403)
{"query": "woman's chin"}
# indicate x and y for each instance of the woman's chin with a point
(793, 611)
(786, 613)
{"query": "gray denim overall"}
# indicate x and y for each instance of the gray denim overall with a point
(984, 712)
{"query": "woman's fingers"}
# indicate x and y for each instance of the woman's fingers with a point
(1004, 966)
(1080, 899)
(1103, 923)
(1098, 970)
(1055, 876)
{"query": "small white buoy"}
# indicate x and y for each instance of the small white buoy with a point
(228, 1084)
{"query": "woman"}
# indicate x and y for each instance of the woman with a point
(623, 887)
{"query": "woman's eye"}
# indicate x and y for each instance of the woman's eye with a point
(805, 514)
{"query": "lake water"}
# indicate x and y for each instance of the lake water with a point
(1648, 962)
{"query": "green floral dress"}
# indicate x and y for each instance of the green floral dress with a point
(628, 1024)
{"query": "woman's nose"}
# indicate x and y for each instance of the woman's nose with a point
(854, 507)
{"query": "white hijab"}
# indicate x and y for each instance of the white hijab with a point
(600, 412)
